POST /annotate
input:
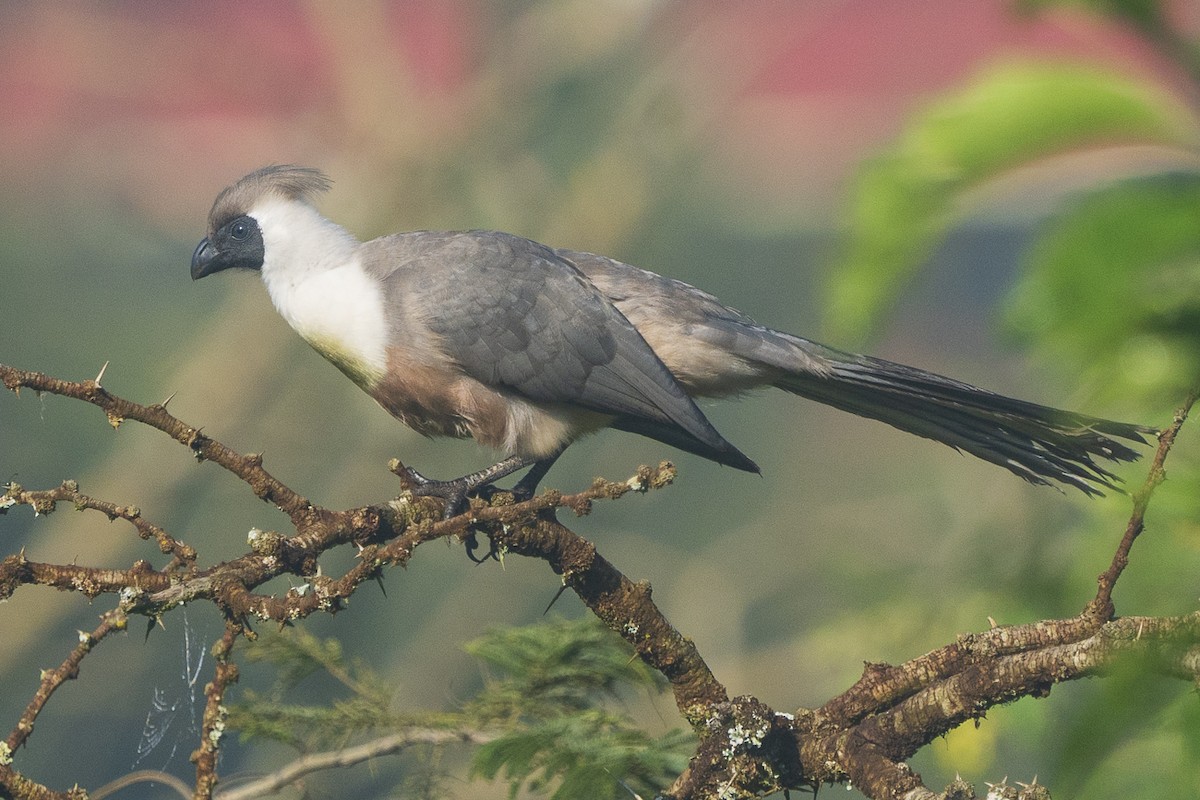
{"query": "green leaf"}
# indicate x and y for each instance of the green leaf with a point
(906, 197)
(1132, 726)
(555, 678)
(1113, 289)
(556, 666)
(585, 755)
(297, 655)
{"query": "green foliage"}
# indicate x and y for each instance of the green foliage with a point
(1128, 735)
(544, 704)
(1112, 289)
(1108, 291)
(299, 655)
(1140, 13)
(1113, 286)
(554, 677)
(306, 727)
(591, 754)
(907, 197)
(553, 668)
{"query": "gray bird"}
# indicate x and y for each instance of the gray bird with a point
(526, 348)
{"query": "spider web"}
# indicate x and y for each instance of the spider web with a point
(174, 716)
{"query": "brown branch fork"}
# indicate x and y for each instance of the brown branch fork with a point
(863, 736)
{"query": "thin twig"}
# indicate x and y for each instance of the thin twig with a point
(52, 679)
(142, 776)
(1101, 607)
(349, 756)
(45, 501)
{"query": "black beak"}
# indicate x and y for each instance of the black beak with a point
(203, 260)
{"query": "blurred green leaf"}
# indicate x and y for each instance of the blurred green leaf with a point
(298, 655)
(1129, 695)
(1140, 13)
(1154, 20)
(1127, 738)
(311, 727)
(545, 703)
(905, 198)
(1113, 288)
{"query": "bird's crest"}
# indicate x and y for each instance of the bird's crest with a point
(286, 181)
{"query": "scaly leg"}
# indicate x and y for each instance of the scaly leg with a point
(454, 493)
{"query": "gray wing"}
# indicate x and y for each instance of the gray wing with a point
(517, 316)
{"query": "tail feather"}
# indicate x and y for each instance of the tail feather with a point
(1039, 444)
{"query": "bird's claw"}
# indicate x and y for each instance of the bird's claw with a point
(471, 543)
(453, 494)
(455, 498)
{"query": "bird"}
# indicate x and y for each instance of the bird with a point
(526, 348)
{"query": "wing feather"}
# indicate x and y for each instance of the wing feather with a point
(517, 316)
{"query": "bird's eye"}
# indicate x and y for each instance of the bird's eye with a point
(239, 231)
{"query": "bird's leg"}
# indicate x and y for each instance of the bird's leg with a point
(523, 489)
(454, 493)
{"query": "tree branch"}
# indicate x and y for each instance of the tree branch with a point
(212, 724)
(863, 735)
(349, 756)
(117, 410)
(1102, 606)
(46, 501)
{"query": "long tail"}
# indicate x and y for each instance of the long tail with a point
(1037, 443)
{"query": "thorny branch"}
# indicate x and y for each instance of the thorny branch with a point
(117, 410)
(745, 748)
(212, 724)
(46, 501)
(52, 679)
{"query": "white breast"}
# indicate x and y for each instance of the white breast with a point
(341, 305)
(317, 284)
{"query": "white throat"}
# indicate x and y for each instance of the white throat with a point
(316, 282)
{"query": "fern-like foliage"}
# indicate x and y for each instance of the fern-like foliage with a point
(550, 716)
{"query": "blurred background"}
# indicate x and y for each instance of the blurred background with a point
(1005, 192)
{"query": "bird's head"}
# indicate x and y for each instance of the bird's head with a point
(246, 217)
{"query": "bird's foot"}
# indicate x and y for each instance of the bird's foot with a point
(525, 489)
(453, 494)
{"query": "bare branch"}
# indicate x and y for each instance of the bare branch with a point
(1102, 606)
(349, 756)
(46, 501)
(143, 776)
(862, 736)
(117, 409)
(66, 671)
